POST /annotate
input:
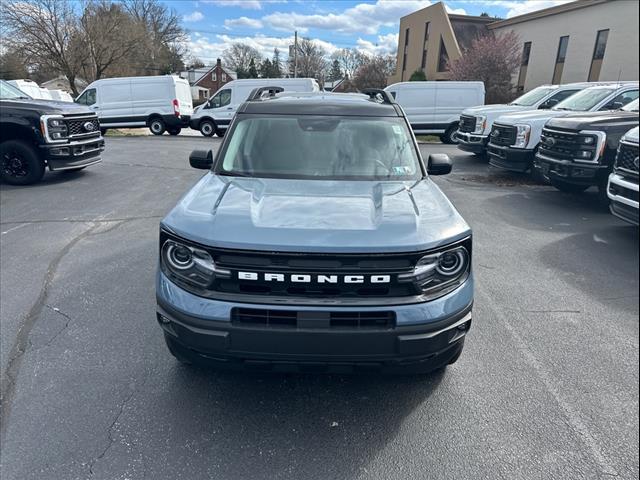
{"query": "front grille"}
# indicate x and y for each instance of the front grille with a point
(627, 157)
(559, 144)
(77, 127)
(374, 320)
(467, 124)
(504, 135)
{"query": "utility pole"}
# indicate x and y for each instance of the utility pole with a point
(295, 55)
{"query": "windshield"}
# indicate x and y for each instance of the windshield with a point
(585, 100)
(533, 97)
(320, 147)
(631, 107)
(8, 92)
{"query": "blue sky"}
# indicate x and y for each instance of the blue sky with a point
(370, 26)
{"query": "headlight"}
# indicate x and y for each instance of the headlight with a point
(522, 136)
(481, 123)
(189, 264)
(441, 272)
(591, 146)
(57, 129)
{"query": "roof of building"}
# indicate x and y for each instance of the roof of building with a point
(201, 72)
(545, 12)
(320, 103)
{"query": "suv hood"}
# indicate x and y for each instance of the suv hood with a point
(633, 135)
(316, 215)
(47, 106)
(599, 120)
(496, 109)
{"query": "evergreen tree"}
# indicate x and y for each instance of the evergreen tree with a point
(266, 69)
(276, 64)
(253, 71)
(335, 73)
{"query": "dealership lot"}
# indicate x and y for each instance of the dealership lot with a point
(547, 386)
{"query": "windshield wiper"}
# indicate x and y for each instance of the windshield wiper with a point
(233, 174)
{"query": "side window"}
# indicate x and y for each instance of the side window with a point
(88, 97)
(393, 94)
(221, 99)
(557, 98)
(621, 100)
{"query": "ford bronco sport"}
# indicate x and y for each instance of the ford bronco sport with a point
(316, 241)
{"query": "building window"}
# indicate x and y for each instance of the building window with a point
(423, 63)
(560, 58)
(598, 55)
(522, 76)
(426, 32)
(214, 77)
(406, 48)
(443, 58)
(224, 77)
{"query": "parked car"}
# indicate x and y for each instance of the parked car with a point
(623, 181)
(214, 116)
(578, 151)
(316, 240)
(435, 107)
(162, 103)
(476, 122)
(514, 138)
(35, 134)
(60, 95)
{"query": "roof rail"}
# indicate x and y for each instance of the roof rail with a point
(256, 93)
(378, 95)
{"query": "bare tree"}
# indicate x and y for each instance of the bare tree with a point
(492, 60)
(238, 57)
(349, 60)
(311, 59)
(46, 33)
(374, 72)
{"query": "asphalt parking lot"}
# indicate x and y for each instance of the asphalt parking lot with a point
(547, 386)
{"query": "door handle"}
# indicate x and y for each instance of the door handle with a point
(229, 108)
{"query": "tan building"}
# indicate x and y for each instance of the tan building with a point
(586, 40)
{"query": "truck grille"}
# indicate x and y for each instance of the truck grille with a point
(503, 135)
(467, 124)
(77, 127)
(627, 158)
(559, 144)
(374, 320)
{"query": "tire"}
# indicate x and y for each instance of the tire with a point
(20, 163)
(174, 131)
(207, 128)
(568, 187)
(220, 133)
(455, 358)
(157, 126)
(449, 137)
(176, 350)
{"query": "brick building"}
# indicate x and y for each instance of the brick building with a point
(206, 81)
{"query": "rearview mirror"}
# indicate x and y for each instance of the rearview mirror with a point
(201, 159)
(439, 164)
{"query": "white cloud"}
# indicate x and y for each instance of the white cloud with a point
(193, 17)
(243, 22)
(515, 8)
(386, 44)
(244, 4)
(363, 18)
(456, 11)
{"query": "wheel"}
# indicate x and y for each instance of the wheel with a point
(174, 131)
(176, 350)
(449, 137)
(157, 126)
(207, 128)
(220, 132)
(568, 187)
(20, 163)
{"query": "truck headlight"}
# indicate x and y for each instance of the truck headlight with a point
(591, 146)
(57, 129)
(522, 136)
(481, 123)
(189, 264)
(439, 273)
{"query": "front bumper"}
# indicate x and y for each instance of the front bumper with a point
(624, 198)
(471, 142)
(76, 154)
(569, 171)
(509, 158)
(425, 336)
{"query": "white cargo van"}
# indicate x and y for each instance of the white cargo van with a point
(435, 107)
(215, 115)
(60, 95)
(162, 103)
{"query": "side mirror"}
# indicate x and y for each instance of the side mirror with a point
(201, 159)
(552, 102)
(439, 164)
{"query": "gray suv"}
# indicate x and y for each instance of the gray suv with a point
(316, 241)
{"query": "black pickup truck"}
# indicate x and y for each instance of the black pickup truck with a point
(578, 151)
(35, 134)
